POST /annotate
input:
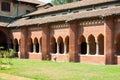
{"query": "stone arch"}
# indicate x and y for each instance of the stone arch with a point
(82, 45)
(36, 45)
(118, 44)
(67, 44)
(92, 45)
(53, 45)
(101, 44)
(7, 34)
(30, 45)
(61, 45)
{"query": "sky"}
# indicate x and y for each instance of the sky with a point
(47, 1)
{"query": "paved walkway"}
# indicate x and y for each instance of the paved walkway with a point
(12, 77)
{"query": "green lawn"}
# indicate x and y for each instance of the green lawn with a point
(45, 70)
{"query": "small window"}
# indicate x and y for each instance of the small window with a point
(5, 6)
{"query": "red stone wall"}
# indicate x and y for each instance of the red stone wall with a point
(60, 57)
(74, 31)
(35, 56)
(95, 30)
(98, 59)
(63, 32)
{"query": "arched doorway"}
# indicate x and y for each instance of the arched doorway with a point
(3, 40)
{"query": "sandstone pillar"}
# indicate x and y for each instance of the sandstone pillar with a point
(65, 48)
(88, 49)
(97, 48)
(34, 48)
(39, 47)
(58, 51)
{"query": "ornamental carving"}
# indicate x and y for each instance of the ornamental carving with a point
(60, 26)
(91, 22)
(34, 28)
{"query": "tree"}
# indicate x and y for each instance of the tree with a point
(58, 2)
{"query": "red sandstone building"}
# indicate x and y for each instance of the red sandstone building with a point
(85, 31)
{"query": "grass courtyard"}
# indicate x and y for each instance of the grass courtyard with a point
(47, 70)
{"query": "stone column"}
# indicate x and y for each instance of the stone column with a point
(34, 48)
(73, 46)
(39, 47)
(109, 40)
(24, 43)
(97, 48)
(58, 48)
(19, 47)
(46, 42)
(88, 49)
(65, 48)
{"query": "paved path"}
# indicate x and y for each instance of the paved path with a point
(12, 77)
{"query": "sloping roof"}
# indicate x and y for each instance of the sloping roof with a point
(3, 24)
(32, 1)
(70, 6)
(68, 17)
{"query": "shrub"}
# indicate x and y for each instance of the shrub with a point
(6, 55)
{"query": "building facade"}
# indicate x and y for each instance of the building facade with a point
(85, 31)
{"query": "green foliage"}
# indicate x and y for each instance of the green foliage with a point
(58, 2)
(6, 55)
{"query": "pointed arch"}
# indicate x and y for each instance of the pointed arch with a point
(16, 45)
(67, 44)
(30, 45)
(36, 45)
(92, 44)
(82, 45)
(61, 45)
(101, 44)
(4, 39)
(53, 45)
